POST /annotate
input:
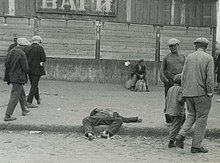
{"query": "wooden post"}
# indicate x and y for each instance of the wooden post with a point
(36, 26)
(98, 37)
(213, 41)
(157, 54)
(214, 47)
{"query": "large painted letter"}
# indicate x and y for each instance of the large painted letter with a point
(46, 2)
(106, 4)
(68, 2)
(82, 5)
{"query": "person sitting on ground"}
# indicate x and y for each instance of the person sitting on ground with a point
(175, 109)
(138, 73)
(105, 117)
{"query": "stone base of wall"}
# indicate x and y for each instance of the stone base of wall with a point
(91, 70)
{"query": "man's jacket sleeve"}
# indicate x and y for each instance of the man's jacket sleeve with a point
(210, 77)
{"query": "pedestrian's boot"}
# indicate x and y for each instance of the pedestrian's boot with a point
(29, 105)
(132, 88)
(9, 118)
(24, 113)
(171, 144)
(180, 141)
(147, 88)
(199, 150)
(38, 101)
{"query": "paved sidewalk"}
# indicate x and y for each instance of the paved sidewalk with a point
(65, 104)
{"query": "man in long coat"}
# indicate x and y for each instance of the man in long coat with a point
(36, 56)
(16, 69)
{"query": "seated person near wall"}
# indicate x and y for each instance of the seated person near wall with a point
(138, 73)
(105, 117)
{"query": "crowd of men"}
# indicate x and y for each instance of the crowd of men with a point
(187, 80)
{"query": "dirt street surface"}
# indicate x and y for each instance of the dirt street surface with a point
(26, 146)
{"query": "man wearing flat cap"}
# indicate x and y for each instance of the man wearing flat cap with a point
(36, 56)
(197, 88)
(16, 69)
(172, 65)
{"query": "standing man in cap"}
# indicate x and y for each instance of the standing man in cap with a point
(16, 69)
(14, 44)
(197, 88)
(172, 65)
(36, 56)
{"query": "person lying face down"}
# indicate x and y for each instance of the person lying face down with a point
(108, 117)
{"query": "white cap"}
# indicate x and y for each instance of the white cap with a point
(23, 41)
(201, 40)
(37, 38)
(173, 41)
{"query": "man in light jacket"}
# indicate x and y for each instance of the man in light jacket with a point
(197, 87)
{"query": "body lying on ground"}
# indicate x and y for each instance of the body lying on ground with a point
(105, 117)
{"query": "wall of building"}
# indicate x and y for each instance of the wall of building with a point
(151, 12)
(119, 41)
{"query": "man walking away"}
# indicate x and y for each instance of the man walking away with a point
(36, 56)
(16, 69)
(197, 87)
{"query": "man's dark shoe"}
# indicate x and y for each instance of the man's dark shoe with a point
(38, 101)
(132, 88)
(9, 118)
(180, 141)
(171, 144)
(31, 105)
(199, 150)
(24, 113)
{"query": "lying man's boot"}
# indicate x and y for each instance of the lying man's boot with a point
(171, 144)
(90, 136)
(199, 150)
(104, 134)
(180, 141)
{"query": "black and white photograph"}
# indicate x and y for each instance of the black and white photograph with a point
(114, 81)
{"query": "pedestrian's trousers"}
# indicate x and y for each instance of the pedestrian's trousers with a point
(34, 90)
(113, 122)
(168, 118)
(175, 127)
(198, 110)
(17, 94)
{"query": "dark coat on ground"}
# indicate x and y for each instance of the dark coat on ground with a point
(35, 54)
(16, 66)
